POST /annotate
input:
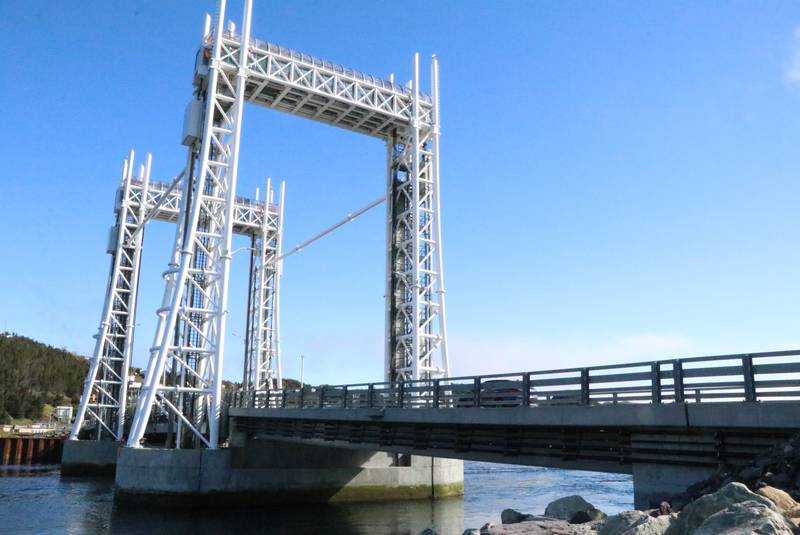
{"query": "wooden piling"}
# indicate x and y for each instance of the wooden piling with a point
(6, 450)
(29, 451)
(18, 451)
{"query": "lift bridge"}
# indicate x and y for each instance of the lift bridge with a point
(668, 423)
(184, 375)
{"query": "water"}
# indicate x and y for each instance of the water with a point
(38, 500)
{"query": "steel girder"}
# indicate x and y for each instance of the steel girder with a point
(248, 214)
(105, 388)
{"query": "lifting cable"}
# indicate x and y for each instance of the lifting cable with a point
(350, 217)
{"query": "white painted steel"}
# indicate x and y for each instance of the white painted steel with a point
(190, 337)
(192, 340)
(262, 361)
(416, 346)
(105, 388)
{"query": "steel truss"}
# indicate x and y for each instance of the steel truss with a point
(184, 375)
(105, 388)
(262, 369)
(416, 326)
(106, 383)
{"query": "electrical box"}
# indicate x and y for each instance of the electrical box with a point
(192, 122)
(113, 232)
(201, 65)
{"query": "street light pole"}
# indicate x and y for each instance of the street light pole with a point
(302, 358)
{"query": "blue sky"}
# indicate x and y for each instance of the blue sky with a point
(619, 180)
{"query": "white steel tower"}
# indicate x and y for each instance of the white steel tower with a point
(189, 345)
(184, 374)
(262, 369)
(105, 387)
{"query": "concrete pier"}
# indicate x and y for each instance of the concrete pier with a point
(260, 471)
(89, 458)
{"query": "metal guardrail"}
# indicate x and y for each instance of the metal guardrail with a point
(750, 377)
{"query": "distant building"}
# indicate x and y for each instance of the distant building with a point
(63, 413)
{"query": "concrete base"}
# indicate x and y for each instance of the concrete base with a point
(264, 471)
(654, 483)
(89, 458)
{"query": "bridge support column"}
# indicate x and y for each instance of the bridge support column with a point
(654, 483)
(89, 458)
(258, 471)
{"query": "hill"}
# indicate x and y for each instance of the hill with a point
(33, 375)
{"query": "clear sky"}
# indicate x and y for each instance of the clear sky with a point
(619, 179)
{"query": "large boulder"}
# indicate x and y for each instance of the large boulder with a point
(778, 497)
(652, 525)
(569, 507)
(745, 517)
(621, 523)
(695, 513)
(510, 516)
(539, 525)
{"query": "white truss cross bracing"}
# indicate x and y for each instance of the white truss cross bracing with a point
(262, 370)
(184, 374)
(105, 389)
(416, 336)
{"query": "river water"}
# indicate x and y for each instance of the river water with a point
(37, 500)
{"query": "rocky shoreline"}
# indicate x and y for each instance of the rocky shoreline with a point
(758, 498)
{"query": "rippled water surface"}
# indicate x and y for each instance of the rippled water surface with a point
(38, 500)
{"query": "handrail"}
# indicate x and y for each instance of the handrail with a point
(739, 377)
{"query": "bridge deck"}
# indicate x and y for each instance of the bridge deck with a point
(689, 412)
(607, 438)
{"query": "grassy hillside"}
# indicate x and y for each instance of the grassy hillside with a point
(33, 375)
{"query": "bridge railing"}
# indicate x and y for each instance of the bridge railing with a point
(751, 377)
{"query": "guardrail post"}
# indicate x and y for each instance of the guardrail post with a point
(476, 392)
(584, 386)
(436, 393)
(302, 397)
(321, 397)
(526, 390)
(344, 397)
(370, 395)
(749, 379)
(283, 398)
(400, 393)
(655, 382)
(253, 399)
(677, 380)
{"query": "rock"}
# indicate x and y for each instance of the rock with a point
(428, 531)
(695, 513)
(539, 525)
(793, 512)
(621, 523)
(780, 480)
(653, 525)
(664, 508)
(750, 473)
(471, 532)
(510, 516)
(778, 497)
(581, 517)
(745, 517)
(565, 509)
